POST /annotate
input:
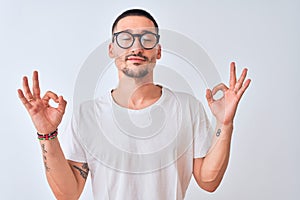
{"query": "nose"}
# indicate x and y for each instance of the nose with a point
(136, 46)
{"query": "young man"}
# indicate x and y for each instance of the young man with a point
(112, 138)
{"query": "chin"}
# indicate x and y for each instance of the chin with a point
(135, 74)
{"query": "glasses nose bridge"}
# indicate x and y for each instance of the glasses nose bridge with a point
(138, 37)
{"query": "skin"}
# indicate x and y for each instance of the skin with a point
(64, 177)
(134, 91)
(210, 170)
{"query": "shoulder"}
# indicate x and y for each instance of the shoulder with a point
(97, 104)
(183, 97)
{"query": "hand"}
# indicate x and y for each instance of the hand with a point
(224, 109)
(45, 118)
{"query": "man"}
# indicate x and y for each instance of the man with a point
(147, 168)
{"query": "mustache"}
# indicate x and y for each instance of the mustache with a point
(137, 55)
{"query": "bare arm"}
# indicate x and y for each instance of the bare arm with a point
(66, 178)
(210, 170)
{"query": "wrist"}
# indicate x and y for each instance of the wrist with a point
(224, 131)
(49, 136)
(225, 125)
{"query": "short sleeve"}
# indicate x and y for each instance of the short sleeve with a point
(71, 146)
(203, 133)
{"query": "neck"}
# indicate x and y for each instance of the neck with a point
(136, 93)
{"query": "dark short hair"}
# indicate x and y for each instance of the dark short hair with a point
(135, 12)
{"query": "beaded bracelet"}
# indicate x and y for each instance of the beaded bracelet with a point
(49, 136)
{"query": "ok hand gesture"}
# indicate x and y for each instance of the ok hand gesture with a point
(224, 109)
(45, 118)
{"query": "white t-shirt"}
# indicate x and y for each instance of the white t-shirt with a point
(139, 154)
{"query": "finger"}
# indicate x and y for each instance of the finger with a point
(232, 80)
(219, 87)
(26, 89)
(36, 87)
(24, 100)
(61, 105)
(209, 96)
(50, 95)
(244, 87)
(241, 80)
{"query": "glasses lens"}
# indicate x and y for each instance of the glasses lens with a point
(148, 40)
(124, 40)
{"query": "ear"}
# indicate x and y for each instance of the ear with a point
(111, 50)
(158, 56)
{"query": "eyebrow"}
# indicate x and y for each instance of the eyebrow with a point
(142, 31)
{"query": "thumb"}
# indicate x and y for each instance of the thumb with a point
(209, 96)
(61, 104)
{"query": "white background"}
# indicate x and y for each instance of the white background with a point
(55, 37)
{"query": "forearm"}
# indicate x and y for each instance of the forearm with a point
(58, 171)
(212, 168)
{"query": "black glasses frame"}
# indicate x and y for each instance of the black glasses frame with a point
(134, 36)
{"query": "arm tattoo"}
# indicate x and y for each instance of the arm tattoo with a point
(85, 166)
(44, 149)
(84, 170)
(218, 132)
(45, 157)
(46, 167)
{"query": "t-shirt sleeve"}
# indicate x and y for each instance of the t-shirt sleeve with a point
(203, 133)
(71, 146)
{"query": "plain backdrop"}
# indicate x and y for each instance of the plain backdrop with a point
(55, 38)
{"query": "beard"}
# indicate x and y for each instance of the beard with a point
(139, 73)
(137, 70)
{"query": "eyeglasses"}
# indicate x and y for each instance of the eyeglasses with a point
(125, 39)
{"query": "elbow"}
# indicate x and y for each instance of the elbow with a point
(209, 182)
(69, 194)
(209, 186)
(210, 189)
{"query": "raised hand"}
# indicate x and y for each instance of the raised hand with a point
(224, 109)
(45, 118)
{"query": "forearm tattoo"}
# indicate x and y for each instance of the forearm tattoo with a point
(45, 157)
(84, 170)
(218, 133)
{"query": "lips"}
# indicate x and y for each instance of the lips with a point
(135, 58)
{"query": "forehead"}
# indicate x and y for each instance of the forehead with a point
(138, 23)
